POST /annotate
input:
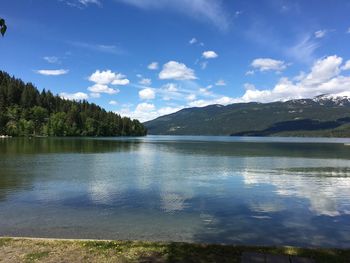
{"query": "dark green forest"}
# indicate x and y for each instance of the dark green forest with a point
(25, 111)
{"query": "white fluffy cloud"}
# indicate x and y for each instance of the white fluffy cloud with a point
(103, 79)
(145, 82)
(153, 66)
(323, 70)
(52, 72)
(74, 96)
(346, 66)
(145, 107)
(176, 70)
(209, 54)
(266, 64)
(147, 111)
(100, 88)
(108, 77)
(120, 80)
(222, 100)
(147, 94)
(324, 78)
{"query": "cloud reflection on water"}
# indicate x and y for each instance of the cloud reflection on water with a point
(205, 192)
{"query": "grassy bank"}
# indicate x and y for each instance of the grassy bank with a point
(49, 250)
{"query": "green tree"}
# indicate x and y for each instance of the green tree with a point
(11, 128)
(26, 127)
(24, 111)
(74, 121)
(3, 26)
(3, 122)
(90, 127)
(57, 124)
(14, 113)
(39, 116)
(29, 96)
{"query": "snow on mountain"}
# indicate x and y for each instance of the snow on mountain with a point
(340, 99)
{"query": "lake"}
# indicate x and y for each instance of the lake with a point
(232, 190)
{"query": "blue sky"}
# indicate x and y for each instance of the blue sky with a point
(146, 58)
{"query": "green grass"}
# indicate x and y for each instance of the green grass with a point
(187, 252)
(4, 241)
(35, 256)
(137, 251)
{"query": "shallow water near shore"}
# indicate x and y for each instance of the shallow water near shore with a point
(233, 190)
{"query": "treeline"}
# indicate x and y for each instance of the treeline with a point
(24, 111)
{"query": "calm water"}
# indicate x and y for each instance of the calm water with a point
(198, 189)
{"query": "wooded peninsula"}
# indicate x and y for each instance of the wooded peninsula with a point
(25, 111)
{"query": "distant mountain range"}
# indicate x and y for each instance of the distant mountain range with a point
(323, 116)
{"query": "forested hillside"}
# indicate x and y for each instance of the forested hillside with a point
(323, 116)
(24, 111)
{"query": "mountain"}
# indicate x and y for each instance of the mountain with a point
(324, 115)
(24, 111)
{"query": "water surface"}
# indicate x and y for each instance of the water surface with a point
(235, 190)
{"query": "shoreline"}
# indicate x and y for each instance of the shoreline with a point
(29, 249)
(171, 242)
